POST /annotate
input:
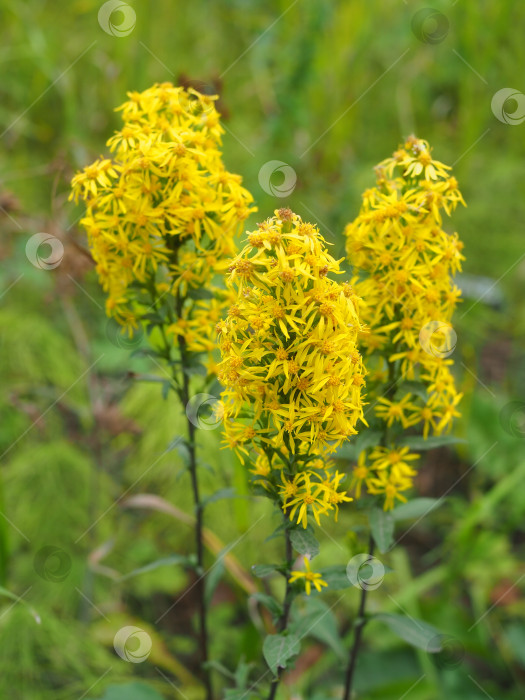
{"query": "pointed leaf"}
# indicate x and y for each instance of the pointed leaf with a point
(263, 570)
(304, 542)
(417, 508)
(353, 448)
(317, 620)
(273, 605)
(212, 579)
(382, 527)
(416, 388)
(220, 494)
(165, 561)
(130, 691)
(278, 649)
(335, 577)
(418, 442)
(415, 632)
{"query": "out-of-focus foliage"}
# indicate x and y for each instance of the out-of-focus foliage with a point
(330, 89)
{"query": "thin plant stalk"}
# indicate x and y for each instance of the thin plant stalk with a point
(182, 389)
(287, 603)
(200, 587)
(361, 620)
(358, 627)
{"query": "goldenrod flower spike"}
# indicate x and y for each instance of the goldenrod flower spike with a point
(162, 213)
(292, 372)
(404, 263)
(289, 344)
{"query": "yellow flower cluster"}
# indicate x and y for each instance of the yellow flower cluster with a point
(404, 262)
(386, 472)
(290, 364)
(162, 213)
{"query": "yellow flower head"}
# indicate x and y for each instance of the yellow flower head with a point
(309, 578)
(162, 213)
(290, 363)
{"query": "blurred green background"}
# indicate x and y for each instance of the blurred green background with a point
(329, 88)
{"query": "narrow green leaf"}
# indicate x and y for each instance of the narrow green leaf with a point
(416, 388)
(270, 603)
(415, 632)
(317, 620)
(417, 442)
(278, 530)
(382, 527)
(304, 542)
(219, 495)
(417, 508)
(153, 319)
(278, 649)
(130, 691)
(213, 578)
(12, 596)
(182, 448)
(263, 570)
(199, 293)
(352, 449)
(335, 576)
(196, 370)
(165, 561)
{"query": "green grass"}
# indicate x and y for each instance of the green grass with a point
(329, 88)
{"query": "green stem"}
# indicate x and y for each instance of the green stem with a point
(282, 623)
(4, 548)
(357, 628)
(182, 388)
(200, 587)
(361, 620)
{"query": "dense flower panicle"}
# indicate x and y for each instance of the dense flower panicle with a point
(162, 213)
(404, 263)
(290, 364)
